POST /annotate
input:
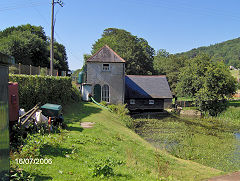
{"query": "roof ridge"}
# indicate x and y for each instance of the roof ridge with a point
(147, 75)
(122, 60)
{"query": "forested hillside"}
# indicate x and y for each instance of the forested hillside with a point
(229, 51)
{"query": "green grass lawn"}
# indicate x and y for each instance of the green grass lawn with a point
(109, 146)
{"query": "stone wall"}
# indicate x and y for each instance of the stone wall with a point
(115, 79)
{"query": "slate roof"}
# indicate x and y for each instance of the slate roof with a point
(106, 55)
(141, 86)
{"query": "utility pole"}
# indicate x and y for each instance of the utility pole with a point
(52, 35)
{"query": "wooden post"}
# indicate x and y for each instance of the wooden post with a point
(19, 68)
(39, 70)
(30, 67)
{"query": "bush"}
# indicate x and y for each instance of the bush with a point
(44, 89)
(104, 167)
(122, 113)
(13, 70)
(102, 170)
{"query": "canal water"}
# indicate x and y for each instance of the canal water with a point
(206, 141)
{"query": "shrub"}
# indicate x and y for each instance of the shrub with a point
(13, 70)
(104, 167)
(102, 170)
(44, 89)
(122, 113)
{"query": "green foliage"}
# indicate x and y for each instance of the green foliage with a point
(209, 141)
(13, 70)
(104, 167)
(75, 95)
(36, 30)
(76, 72)
(26, 48)
(227, 51)
(135, 51)
(19, 174)
(60, 57)
(232, 114)
(169, 65)
(43, 72)
(44, 89)
(102, 170)
(109, 139)
(29, 45)
(122, 113)
(208, 83)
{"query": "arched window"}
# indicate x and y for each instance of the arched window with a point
(105, 93)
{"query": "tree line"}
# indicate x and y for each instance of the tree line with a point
(29, 45)
(205, 79)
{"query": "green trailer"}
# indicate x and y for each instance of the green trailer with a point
(54, 111)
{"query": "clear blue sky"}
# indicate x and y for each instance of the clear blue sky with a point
(174, 25)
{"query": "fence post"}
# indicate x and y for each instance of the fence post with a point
(30, 67)
(19, 68)
(39, 70)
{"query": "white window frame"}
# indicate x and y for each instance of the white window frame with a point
(103, 68)
(151, 101)
(105, 93)
(132, 101)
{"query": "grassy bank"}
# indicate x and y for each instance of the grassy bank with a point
(109, 148)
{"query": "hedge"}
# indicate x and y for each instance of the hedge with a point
(45, 89)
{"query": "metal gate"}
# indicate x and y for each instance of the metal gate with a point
(97, 93)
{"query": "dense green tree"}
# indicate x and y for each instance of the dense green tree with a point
(26, 48)
(29, 45)
(169, 65)
(208, 82)
(37, 30)
(135, 51)
(60, 57)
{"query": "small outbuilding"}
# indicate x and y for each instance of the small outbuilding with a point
(147, 92)
(106, 73)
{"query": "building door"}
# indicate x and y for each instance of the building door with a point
(97, 93)
(105, 93)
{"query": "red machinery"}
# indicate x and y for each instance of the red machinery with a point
(13, 101)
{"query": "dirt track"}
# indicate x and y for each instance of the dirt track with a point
(230, 177)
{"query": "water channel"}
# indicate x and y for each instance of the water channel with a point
(207, 141)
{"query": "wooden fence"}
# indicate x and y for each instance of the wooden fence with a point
(185, 103)
(32, 70)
